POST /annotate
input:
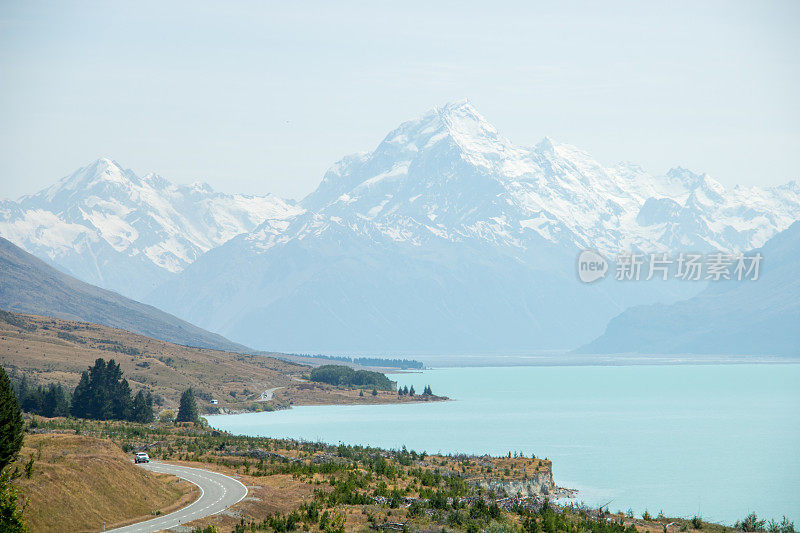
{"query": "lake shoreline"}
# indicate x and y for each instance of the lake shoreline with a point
(570, 359)
(609, 430)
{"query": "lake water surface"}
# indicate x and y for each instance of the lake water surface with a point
(713, 440)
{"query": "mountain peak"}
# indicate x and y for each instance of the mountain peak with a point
(457, 121)
(102, 170)
(546, 145)
(461, 117)
(459, 106)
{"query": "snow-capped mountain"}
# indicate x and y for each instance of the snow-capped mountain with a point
(452, 174)
(112, 228)
(448, 237)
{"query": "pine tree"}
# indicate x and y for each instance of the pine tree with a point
(11, 520)
(81, 398)
(102, 393)
(411, 391)
(54, 402)
(11, 434)
(187, 412)
(99, 402)
(142, 410)
(11, 425)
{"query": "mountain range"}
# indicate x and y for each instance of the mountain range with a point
(447, 237)
(728, 317)
(112, 228)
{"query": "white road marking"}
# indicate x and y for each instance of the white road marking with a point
(197, 477)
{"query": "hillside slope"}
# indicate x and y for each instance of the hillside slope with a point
(28, 285)
(84, 483)
(734, 317)
(49, 350)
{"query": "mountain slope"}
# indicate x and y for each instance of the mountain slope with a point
(447, 237)
(734, 317)
(112, 228)
(28, 285)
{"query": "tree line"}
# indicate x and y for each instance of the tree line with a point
(402, 364)
(340, 375)
(48, 401)
(101, 394)
(406, 391)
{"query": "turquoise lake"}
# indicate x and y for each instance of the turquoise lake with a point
(718, 441)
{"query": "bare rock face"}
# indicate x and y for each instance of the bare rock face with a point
(538, 485)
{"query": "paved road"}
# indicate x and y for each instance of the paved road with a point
(217, 493)
(267, 394)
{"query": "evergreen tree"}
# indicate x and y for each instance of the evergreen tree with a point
(11, 520)
(142, 410)
(47, 401)
(411, 391)
(102, 393)
(187, 411)
(81, 398)
(54, 401)
(99, 401)
(11, 425)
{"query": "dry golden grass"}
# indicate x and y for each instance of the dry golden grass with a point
(81, 483)
(59, 350)
(51, 350)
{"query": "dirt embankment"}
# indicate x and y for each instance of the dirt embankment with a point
(81, 483)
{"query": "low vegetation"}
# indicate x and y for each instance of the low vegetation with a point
(310, 486)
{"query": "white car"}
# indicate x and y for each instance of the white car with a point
(141, 457)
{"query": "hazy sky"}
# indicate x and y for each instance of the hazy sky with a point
(263, 97)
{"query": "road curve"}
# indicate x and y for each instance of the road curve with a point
(217, 493)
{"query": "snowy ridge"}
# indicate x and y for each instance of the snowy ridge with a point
(451, 175)
(103, 218)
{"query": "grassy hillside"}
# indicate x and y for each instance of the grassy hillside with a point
(29, 285)
(310, 486)
(80, 483)
(49, 350)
